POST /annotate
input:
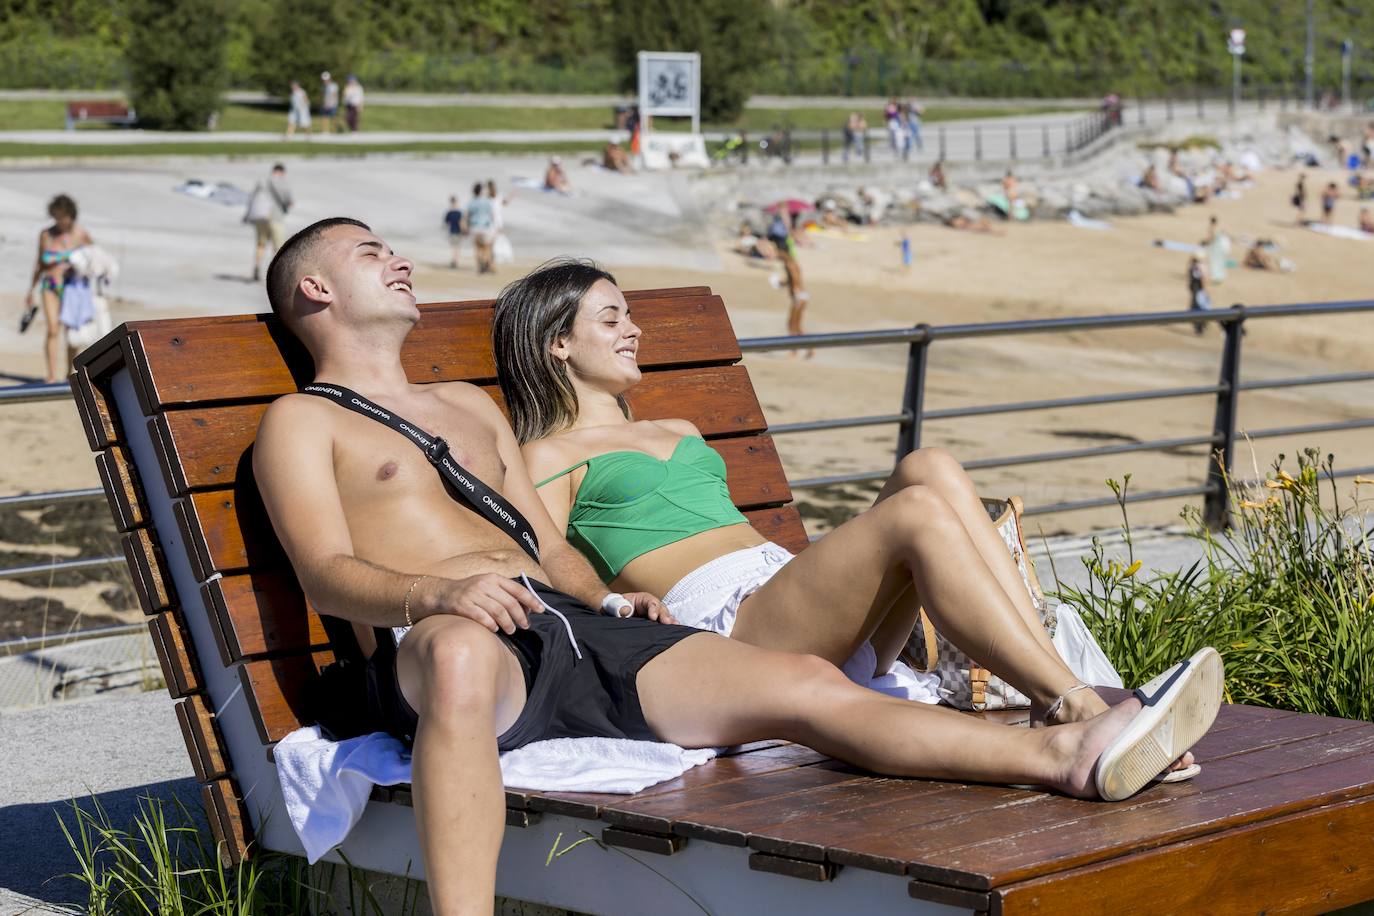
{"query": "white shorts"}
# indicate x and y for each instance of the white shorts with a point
(709, 596)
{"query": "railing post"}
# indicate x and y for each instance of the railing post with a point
(942, 141)
(1068, 138)
(1216, 507)
(914, 393)
(868, 148)
(825, 147)
(1045, 141)
(744, 147)
(1013, 143)
(1168, 108)
(978, 142)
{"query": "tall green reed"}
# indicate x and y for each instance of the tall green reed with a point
(1286, 595)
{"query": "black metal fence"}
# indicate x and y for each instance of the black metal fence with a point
(1220, 439)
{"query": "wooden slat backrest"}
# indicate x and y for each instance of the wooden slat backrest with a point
(205, 383)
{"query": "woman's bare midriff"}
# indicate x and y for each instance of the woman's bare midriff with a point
(657, 571)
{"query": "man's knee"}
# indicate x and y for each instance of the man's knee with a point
(459, 665)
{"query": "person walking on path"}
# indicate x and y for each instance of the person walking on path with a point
(905, 245)
(329, 103)
(298, 116)
(267, 209)
(454, 220)
(52, 270)
(1300, 198)
(481, 223)
(502, 252)
(353, 103)
(913, 123)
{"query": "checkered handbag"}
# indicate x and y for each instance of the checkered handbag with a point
(964, 684)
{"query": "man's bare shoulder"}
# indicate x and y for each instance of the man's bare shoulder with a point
(295, 415)
(295, 406)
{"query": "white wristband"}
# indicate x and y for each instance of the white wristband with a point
(616, 605)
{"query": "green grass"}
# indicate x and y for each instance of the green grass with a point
(165, 863)
(1287, 598)
(48, 114)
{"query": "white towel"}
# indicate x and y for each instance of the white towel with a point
(325, 784)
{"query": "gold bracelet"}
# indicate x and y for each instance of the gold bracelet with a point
(406, 605)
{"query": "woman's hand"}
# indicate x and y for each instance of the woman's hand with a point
(647, 606)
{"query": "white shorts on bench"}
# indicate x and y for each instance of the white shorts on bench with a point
(709, 597)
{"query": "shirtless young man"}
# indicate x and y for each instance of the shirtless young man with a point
(376, 539)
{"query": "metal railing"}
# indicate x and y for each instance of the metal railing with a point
(1011, 141)
(1220, 440)
(910, 421)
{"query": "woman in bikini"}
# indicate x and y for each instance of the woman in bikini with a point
(51, 270)
(648, 504)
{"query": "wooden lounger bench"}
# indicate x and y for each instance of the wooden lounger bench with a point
(1281, 817)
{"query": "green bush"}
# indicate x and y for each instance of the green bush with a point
(1287, 598)
(175, 58)
(298, 39)
(42, 61)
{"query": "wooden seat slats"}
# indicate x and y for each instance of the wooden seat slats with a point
(182, 362)
(238, 645)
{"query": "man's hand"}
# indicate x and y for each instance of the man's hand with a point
(646, 605)
(495, 602)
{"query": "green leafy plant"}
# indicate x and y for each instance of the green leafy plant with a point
(1286, 595)
(175, 57)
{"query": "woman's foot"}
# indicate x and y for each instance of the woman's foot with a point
(1085, 705)
(1117, 753)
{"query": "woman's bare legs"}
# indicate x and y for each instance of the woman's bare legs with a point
(939, 470)
(858, 570)
(743, 693)
(52, 344)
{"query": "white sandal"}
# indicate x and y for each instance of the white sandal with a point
(1179, 706)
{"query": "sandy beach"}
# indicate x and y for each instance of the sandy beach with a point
(1029, 270)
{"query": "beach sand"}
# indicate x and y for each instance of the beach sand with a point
(1031, 270)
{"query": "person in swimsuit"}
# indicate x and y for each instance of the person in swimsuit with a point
(51, 270)
(565, 355)
(489, 658)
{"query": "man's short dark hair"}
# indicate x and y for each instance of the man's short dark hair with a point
(477, 189)
(284, 272)
(278, 167)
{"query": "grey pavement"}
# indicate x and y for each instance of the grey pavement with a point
(115, 749)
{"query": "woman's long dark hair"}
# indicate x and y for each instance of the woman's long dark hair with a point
(531, 314)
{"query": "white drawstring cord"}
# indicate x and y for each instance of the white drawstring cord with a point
(567, 626)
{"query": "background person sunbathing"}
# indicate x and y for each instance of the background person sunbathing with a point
(647, 503)
(485, 663)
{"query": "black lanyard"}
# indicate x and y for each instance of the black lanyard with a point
(481, 498)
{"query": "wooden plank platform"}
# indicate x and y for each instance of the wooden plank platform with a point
(1281, 818)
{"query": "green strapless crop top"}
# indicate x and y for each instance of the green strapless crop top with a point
(631, 503)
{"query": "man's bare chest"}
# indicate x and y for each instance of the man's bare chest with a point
(373, 462)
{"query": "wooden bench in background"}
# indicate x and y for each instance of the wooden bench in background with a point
(1281, 817)
(105, 111)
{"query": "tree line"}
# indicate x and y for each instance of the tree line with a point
(177, 56)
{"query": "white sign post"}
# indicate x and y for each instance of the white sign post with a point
(1235, 43)
(670, 86)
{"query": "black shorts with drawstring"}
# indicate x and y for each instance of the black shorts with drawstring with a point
(595, 696)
